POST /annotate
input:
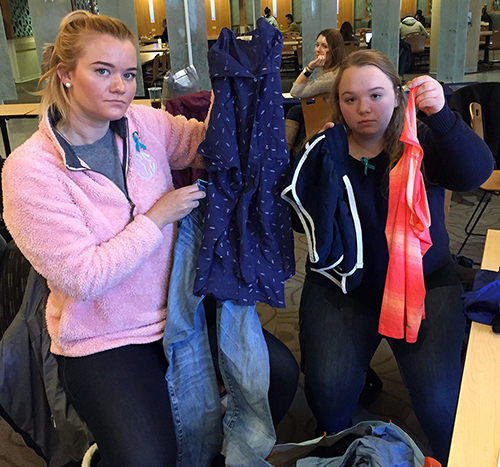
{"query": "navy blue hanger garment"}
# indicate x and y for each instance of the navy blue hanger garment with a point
(247, 250)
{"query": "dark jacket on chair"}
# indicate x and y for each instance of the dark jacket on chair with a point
(488, 95)
(32, 399)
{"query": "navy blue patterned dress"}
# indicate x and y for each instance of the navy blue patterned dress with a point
(247, 249)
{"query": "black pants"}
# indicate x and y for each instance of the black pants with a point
(122, 395)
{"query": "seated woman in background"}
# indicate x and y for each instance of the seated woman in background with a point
(347, 32)
(329, 51)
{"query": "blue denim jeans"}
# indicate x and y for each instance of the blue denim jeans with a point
(339, 335)
(247, 428)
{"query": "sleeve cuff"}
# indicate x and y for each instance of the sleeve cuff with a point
(441, 122)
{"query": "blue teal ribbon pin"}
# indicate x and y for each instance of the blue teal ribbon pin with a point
(367, 164)
(139, 145)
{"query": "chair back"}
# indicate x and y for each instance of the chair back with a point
(298, 50)
(495, 40)
(290, 36)
(416, 41)
(487, 94)
(350, 47)
(476, 123)
(288, 49)
(361, 33)
(476, 118)
(164, 62)
(316, 112)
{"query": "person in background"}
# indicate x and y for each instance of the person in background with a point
(339, 332)
(485, 17)
(347, 32)
(101, 169)
(292, 25)
(164, 34)
(270, 17)
(420, 17)
(329, 51)
(409, 24)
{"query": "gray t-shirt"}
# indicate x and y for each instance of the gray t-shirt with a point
(101, 157)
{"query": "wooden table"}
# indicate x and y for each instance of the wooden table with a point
(147, 40)
(8, 111)
(149, 52)
(153, 48)
(476, 435)
(147, 57)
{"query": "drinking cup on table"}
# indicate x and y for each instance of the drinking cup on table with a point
(155, 97)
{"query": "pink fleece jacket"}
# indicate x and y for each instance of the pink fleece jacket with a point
(107, 275)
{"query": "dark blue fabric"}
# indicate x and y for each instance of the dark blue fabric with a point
(329, 222)
(482, 304)
(247, 249)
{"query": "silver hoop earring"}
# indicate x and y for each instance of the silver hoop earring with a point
(68, 85)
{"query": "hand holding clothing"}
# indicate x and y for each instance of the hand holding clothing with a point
(429, 96)
(175, 205)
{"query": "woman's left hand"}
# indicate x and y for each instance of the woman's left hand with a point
(429, 97)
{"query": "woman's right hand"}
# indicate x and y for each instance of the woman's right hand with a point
(175, 205)
(317, 63)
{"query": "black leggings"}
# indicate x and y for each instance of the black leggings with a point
(122, 395)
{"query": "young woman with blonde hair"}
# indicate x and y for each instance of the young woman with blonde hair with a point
(89, 201)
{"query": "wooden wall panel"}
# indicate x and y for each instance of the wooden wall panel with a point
(408, 7)
(7, 21)
(222, 17)
(346, 12)
(144, 25)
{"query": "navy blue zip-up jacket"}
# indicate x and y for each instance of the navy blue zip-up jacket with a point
(322, 195)
(247, 249)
